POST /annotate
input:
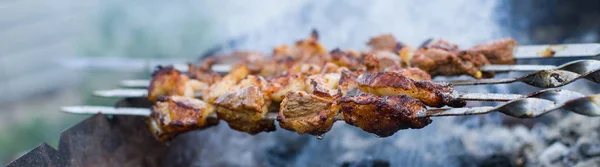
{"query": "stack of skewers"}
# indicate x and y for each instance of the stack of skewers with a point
(306, 88)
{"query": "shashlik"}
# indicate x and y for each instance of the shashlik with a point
(308, 87)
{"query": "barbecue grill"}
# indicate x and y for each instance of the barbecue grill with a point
(125, 140)
(117, 136)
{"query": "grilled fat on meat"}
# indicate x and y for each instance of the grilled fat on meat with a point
(167, 81)
(226, 84)
(383, 116)
(204, 73)
(312, 110)
(498, 51)
(307, 113)
(391, 84)
(309, 86)
(439, 57)
(245, 105)
(173, 115)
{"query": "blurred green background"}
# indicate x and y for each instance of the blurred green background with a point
(47, 46)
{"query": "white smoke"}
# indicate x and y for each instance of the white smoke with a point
(349, 24)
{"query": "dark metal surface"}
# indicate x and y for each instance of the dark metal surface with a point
(43, 155)
(566, 74)
(102, 141)
(535, 105)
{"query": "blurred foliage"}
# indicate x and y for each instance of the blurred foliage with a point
(26, 135)
(149, 30)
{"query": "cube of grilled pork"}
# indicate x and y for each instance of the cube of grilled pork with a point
(323, 84)
(242, 121)
(383, 116)
(412, 73)
(498, 51)
(379, 61)
(439, 44)
(385, 42)
(304, 68)
(282, 85)
(275, 66)
(225, 84)
(347, 84)
(173, 115)
(203, 72)
(345, 59)
(167, 81)
(439, 57)
(245, 105)
(307, 113)
(310, 49)
(391, 84)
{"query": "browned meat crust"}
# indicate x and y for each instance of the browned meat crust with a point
(347, 83)
(444, 62)
(439, 44)
(226, 84)
(412, 73)
(378, 61)
(385, 42)
(498, 51)
(391, 84)
(306, 113)
(173, 115)
(242, 122)
(385, 115)
(243, 109)
(307, 86)
(345, 59)
(167, 81)
(204, 73)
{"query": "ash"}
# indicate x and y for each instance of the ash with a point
(556, 139)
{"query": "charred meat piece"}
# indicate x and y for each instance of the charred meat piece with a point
(347, 84)
(379, 61)
(167, 81)
(281, 86)
(383, 116)
(391, 84)
(276, 66)
(306, 113)
(412, 73)
(225, 84)
(439, 44)
(203, 73)
(498, 51)
(173, 115)
(310, 46)
(242, 121)
(305, 68)
(437, 61)
(245, 105)
(323, 84)
(345, 59)
(385, 42)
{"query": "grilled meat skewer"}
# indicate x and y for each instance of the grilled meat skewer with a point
(400, 112)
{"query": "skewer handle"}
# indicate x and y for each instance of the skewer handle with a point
(561, 50)
(106, 110)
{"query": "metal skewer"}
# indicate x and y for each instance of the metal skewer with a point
(130, 93)
(529, 107)
(562, 50)
(580, 67)
(541, 79)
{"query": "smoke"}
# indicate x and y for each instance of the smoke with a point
(349, 24)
